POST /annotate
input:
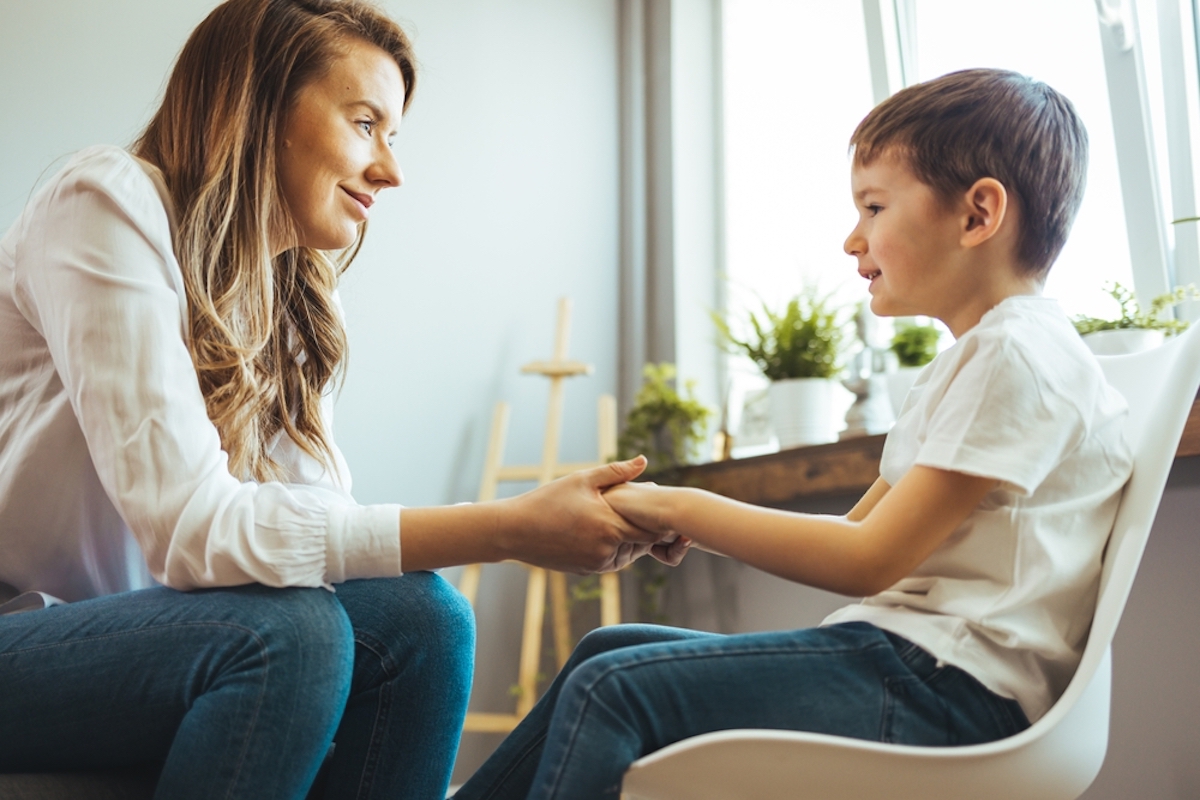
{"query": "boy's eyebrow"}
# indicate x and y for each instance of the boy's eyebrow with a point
(861, 193)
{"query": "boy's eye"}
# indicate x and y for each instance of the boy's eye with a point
(874, 209)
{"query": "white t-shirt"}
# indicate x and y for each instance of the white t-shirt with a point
(1009, 596)
(110, 470)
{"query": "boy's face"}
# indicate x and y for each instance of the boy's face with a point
(905, 240)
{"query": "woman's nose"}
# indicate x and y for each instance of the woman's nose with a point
(385, 169)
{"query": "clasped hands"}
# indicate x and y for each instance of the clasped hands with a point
(596, 521)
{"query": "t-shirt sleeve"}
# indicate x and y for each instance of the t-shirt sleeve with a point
(997, 419)
(96, 277)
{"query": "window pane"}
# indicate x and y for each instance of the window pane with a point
(797, 81)
(1058, 42)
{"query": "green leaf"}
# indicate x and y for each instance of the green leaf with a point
(804, 341)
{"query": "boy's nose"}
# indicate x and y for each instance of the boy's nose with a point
(855, 244)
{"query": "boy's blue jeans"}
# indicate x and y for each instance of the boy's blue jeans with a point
(632, 689)
(239, 692)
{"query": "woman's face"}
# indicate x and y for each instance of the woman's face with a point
(335, 153)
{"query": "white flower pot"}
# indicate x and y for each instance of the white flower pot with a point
(802, 411)
(1122, 341)
(898, 383)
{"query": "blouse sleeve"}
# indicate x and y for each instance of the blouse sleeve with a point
(97, 277)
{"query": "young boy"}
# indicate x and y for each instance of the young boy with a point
(978, 549)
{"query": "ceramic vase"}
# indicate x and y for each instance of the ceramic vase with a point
(802, 411)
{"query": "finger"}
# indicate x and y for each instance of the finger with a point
(632, 533)
(617, 472)
(672, 554)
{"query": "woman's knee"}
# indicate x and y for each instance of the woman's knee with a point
(294, 644)
(305, 631)
(419, 617)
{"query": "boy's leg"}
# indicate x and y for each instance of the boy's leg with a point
(508, 773)
(848, 680)
(237, 692)
(414, 647)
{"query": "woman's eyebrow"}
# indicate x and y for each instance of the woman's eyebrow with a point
(379, 114)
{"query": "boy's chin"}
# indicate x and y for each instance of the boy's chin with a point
(881, 308)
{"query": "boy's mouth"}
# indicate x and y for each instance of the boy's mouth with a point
(869, 274)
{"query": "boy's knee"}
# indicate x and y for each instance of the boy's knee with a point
(614, 637)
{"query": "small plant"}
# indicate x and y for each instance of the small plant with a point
(664, 425)
(1132, 316)
(805, 341)
(915, 345)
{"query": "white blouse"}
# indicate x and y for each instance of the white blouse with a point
(110, 470)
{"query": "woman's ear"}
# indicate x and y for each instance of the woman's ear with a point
(986, 208)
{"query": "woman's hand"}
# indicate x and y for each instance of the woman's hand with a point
(568, 526)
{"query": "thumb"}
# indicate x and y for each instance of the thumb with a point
(616, 472)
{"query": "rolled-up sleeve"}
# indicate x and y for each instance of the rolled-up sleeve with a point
(98, 279)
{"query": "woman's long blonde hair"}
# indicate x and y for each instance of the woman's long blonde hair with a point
(264, 334)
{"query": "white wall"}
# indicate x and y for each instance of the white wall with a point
(510, 158)
(509, 153)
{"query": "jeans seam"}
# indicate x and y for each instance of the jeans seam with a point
(537, 742)
(380, 651)
(119, 634)
(374, 741)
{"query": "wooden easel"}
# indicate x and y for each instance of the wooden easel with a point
(557, 370)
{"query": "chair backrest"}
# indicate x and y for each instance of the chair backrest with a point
(1160, 386)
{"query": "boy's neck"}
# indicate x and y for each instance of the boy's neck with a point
(998, 285)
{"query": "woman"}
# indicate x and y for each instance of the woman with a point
(172, 332)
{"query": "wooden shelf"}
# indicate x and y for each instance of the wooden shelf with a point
(827, 470)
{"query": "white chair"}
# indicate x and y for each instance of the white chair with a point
(1057, 757)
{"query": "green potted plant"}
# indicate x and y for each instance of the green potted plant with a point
(799, 350)
(1134, 329)
(914, 346)
(664, 425)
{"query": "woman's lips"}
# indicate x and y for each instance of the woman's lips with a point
(362, 201)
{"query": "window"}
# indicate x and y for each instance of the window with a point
(1058, 43)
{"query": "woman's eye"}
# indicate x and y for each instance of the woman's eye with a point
(367, 125)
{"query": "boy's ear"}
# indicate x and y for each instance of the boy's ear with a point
(986, 208)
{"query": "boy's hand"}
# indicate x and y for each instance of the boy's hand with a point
(646, 506)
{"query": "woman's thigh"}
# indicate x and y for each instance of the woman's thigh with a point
(108, 682)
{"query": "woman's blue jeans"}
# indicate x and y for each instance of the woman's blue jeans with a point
(632, 689)
(239, 693)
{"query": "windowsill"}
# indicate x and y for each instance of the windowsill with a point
(828, 470)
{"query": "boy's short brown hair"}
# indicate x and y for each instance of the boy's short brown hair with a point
(989, 123)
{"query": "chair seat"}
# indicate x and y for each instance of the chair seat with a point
(115, 785)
